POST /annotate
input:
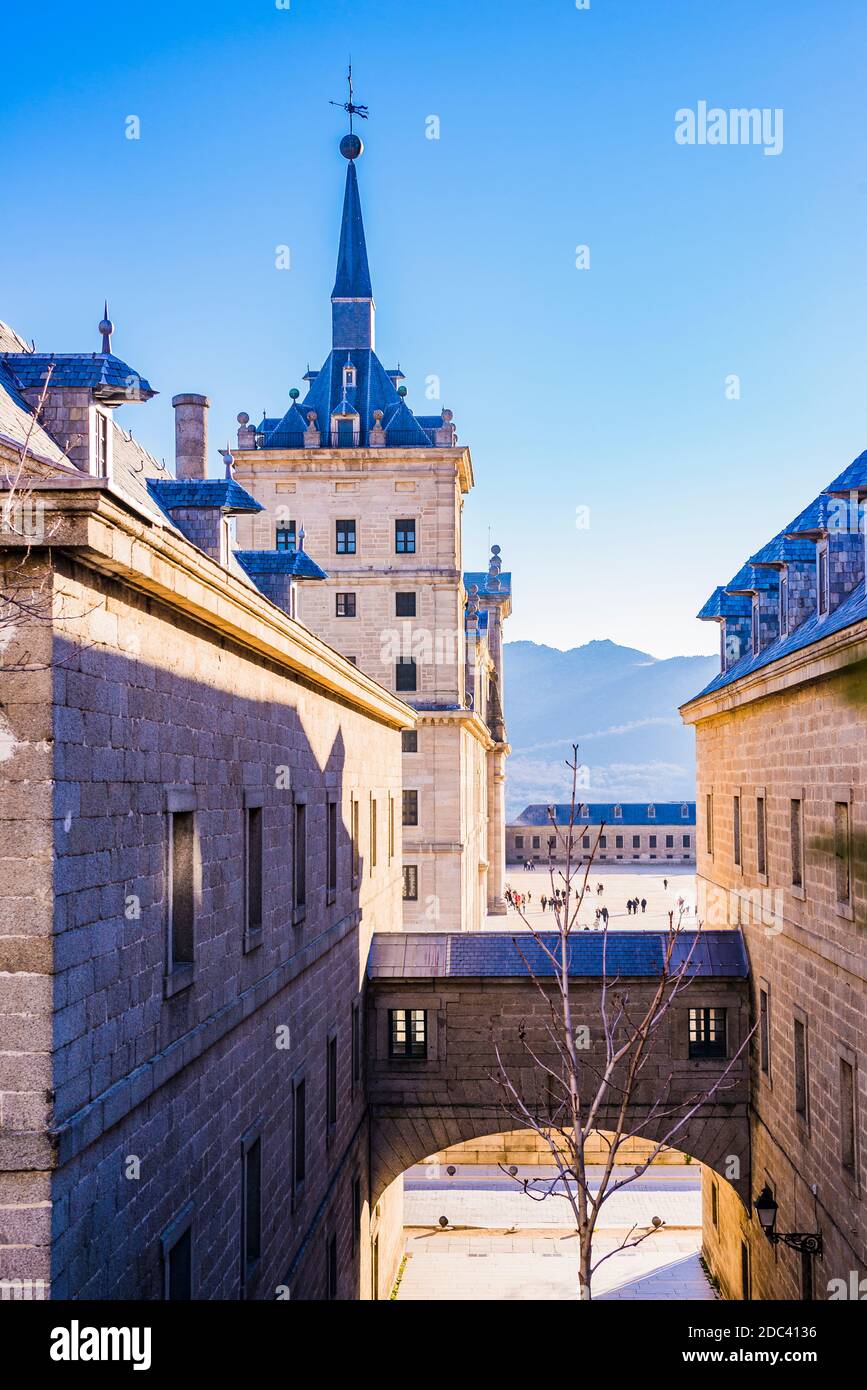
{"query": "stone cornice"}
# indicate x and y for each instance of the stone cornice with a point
(822, 658)
(110, 535)
(340, 462)
(467, 718)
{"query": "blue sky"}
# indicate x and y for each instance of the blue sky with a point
(602, 388)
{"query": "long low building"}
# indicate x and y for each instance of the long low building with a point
(612, 830)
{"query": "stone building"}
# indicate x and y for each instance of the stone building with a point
(633, 833)
(199, 836)
(378, 493)
(781, 736)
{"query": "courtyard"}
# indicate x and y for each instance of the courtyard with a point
(660, 885)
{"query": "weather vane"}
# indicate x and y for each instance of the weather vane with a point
(350, 105)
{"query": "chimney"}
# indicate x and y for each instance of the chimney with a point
(191, 436)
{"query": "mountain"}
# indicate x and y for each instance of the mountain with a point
(619, 704)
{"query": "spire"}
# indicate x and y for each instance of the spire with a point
(352, 307)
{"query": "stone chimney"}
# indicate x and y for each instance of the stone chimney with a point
(191, 436)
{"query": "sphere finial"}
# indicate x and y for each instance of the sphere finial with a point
(352, 146)
(106, 328)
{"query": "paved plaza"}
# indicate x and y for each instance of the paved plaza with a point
(619, 884)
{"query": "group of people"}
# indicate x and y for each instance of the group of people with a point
(632, 906)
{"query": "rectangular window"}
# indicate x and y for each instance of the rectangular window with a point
(761, 836)
(801, 1081)
(345, 605)
(405, 675)
(714, 1203)
(784, 604)
(407, 1033)
(736, 829)
(331, 1084)
(251, 1205)
(519, 842)
(653, 842)
(708, 812)
(101, 426)
(842, 845)
(796, 820)
(332, 1267)
(585, 841)
(848, 1127)
(345, 537)
(410, 882)
(822, 579)
(390, 827)
(603, 841)
(409, 741)
(177, 1253)
(356, 842)
(537, 843)
(404, 605)
(755, 627)
(669, 842)
(618, 841)
(182, 888)
(300, 857)
(299, 1135)
(286, 533)
(764, 1032)
(707, 1032)
(404, 537)
(374, 834)
(636, 842)
(332, 848)
(254, 864)
(356, 1047)
(686, 841)
(410, 807)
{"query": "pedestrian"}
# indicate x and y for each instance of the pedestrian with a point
(605, 915)
(665, 883)
(629, 906)
(643, 904)
(544, 902)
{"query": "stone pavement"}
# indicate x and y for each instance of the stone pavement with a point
(619, 884)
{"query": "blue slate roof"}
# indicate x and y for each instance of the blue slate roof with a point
(722, 604)
(482, 580)
(718, 954)
(814, 519)
(634, 813)
(785, 549)
(225, 493)
(100, 372)
(293, 562)
(853, 478)
(750, 580)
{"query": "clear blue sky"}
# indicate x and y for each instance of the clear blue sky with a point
(602, 388)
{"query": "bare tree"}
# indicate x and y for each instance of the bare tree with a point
(593, 1091)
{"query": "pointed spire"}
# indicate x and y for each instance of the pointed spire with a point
(106, 328)
(353, 273)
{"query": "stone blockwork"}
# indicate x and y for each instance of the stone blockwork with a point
(781, 753)
(132, 1086)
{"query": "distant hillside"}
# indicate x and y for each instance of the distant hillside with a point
(619, 704)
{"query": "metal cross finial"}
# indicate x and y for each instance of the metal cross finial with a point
(350, 105)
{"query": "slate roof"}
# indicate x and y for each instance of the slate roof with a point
(225, 493)
(853, 478)
(719, 954)
(724, 605)
(785, 549)
(353, 273)
(18, 425)
(634, 813)
(100, 372)
(293, 562)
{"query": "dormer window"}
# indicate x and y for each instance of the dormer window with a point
(755, 627)
(784, 604)
(344, 431)
(348, 376)
(618, 813)
(651, 812)
(823, 578)
(101, 429)
(684, 811)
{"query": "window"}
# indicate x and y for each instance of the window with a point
(404, 605)
(251, 1204)
(345, 538)
(299, 1136)
(300, 858)
(636, 842)
(101, 427)
(331, 1084)
(736, 828)
(669, 842)
(410, 807)
(797, 842)
(801, 1082)
(764, 1032)
(345, 605)
(841, 851)
(708, 813)
(332, 849)
(355, 1059)
(618, 841)
(707, 1032)
(537, 843)
(253, 874)
(653, 842)
(182, 830)
(684, 811)
(755, 627)
(332, 1267)
(390, 827)
(745, 1271)
(407, 1033)
(585, 841)
(714, 1203)
(348, 376)
(356, 1212)
(519, 842)
(784, 604)
(177, 1257)
(409, 741)
(346, 432)
(374, 834)
(356, 843)
(848, 1128)
(761, 836)
(687, 840)
(651, 813)
(404, 537)
(822, 578)
(410, 882)
(603, 841)
(405, 675)
(618, 813)
(286, 535)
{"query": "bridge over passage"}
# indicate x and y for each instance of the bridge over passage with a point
(439, 1004)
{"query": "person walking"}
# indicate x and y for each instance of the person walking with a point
(665, 883)
(605, 915)
(544, 901)
(643, 904)
(629, 907)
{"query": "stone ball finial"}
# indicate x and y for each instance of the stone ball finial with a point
(352, 146)
(311, 418)
(495, 550)
(294, 393)
(401, 390)
(448, 415)
(243, 418)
